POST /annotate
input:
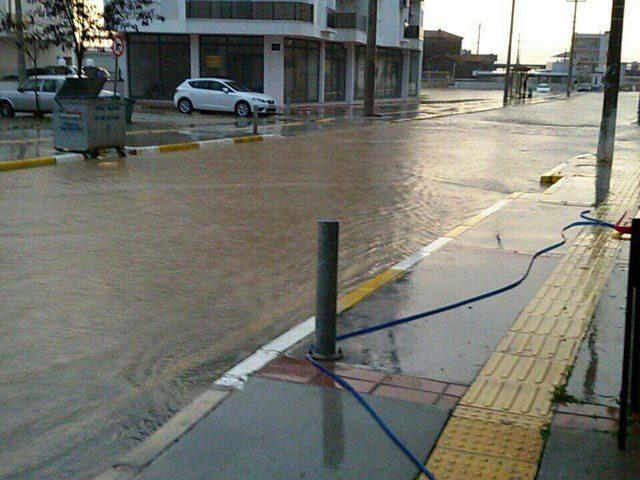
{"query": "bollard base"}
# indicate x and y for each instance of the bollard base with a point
(326, 358)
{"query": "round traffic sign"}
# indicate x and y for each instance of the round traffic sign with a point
(117, 46)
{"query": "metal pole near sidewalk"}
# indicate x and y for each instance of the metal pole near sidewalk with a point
(254, 121)
(327, 291)
(507, 73)
(370, 68)
(630, 384)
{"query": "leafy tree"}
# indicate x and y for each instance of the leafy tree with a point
(77, 25)
(31, 37)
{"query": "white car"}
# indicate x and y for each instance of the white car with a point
(23, 98)
(543, 88)
(220, 94)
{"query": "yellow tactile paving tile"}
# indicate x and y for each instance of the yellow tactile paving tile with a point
(508, 396)
(449, 464)
(542, 346)
(532, 370)
(504, 418)
(495, 439)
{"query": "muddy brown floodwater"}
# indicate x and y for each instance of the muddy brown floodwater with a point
(127, 288)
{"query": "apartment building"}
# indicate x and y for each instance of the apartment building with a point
(590, 53)
(8, 49)
(298, 51)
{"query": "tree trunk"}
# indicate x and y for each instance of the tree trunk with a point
(22, 64)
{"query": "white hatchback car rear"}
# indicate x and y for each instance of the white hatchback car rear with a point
(220, 94)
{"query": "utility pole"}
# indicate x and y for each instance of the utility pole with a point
(22, 64)
(507, 72)
(370, 67)
(606, 143)
(573, 46)
(478, 44)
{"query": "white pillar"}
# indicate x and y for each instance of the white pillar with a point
(321, 72)
(274, 67)
(350, 79)
(195, 56)
(406, 61)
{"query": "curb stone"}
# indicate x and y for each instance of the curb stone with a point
(67, 158)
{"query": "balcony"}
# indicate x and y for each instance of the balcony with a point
(347, 20)
(246, 10)
(412, 31)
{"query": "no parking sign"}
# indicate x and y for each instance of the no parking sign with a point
(117, 46)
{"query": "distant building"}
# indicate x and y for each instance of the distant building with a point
(590, 53)
(439, 50)
(468, 63)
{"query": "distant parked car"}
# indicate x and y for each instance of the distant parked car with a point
(543, 88)
(584, 87)
(220, 94)
(23, 98)
(52, 70)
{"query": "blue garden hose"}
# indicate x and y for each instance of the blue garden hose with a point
(587, 221)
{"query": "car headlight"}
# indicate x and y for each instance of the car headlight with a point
(259, 100)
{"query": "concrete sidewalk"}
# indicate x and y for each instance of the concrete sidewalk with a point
(472, 392)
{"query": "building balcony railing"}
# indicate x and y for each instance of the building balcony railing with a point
(412, 31)
(246, 10)
(347, 20)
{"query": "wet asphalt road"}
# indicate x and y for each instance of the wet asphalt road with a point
(128, 287)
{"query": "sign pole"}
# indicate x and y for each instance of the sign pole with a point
(115, 79)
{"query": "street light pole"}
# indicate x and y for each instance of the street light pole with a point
(370, 68)
(606, 142)
(573, 46)
(505, 98)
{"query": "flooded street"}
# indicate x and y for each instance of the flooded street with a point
(128, 287)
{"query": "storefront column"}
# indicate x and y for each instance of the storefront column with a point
(274, 67)
(321, 72)
(406, 64)
(195, 56)
(350, 81)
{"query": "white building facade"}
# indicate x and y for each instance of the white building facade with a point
(298, 51)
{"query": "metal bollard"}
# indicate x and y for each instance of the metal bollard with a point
(327, 291)
(255, 120)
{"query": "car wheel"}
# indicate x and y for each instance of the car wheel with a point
(243, 109)
(185, 106)
(6, 110)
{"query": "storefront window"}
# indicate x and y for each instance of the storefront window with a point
(157, 64)
(233, 57)
(335, 71)
(301, 70)
(388, 72)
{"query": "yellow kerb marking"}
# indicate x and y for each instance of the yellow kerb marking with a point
(367, 288)
(178, 147)
(29, 163)
(249, 139)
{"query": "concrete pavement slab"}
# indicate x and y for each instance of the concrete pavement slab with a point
(427, 348)
(274, 430)
(525, 225)
(585, 455)
(596, 374)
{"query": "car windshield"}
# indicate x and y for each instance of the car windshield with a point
(238, 88)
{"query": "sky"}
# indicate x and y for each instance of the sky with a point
(544, 25)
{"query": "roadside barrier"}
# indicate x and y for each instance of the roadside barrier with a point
(311, 356)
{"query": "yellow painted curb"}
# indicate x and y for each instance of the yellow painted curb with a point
(29, 163)
(178, 147)
(367, 288)
(249, 139)
(552, 176)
